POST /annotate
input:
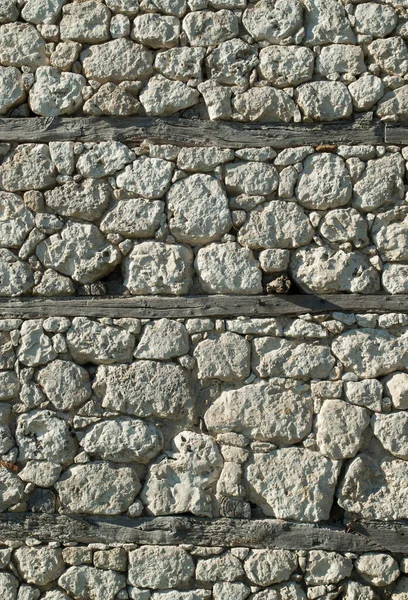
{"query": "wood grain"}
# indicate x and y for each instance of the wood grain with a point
(396, 133)
(154, 307)
(257, 533)
(187, 132)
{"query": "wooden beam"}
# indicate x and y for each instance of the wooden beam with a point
(155, 307)
(257, 533)
(396, 133)
(188, 132)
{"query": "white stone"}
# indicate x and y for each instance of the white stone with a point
(35, 346)
(206, 28)
(65, 54)
(401, 589)
(42, 473)
(228, 269)
(9, 385)
(184, 482)
(133, 218)
(367, 393)
(86, 22)
(339, 428)
(324, 270)
(375, 19)
(163, 97)
(156, 31)
(39, 565)
(251, 178)
(11, 489)
(104, 159)
(371, 352)
(16, 277)
(285, 66)
(21, 45)
(90, 341)
(396, 387)
(198, 210)
(390, 235)
(324, 100)
(231, 62)
(276, 224)
(219, 568)
(86, 200)
(392, 431)
(366, 91)
(55, 93)
(146, 388)
(97, 584)
(266, 567)
(326, 22)
(111, 99)
(42, 435)
(29, 167)
(381, 183)
(11, 89)
(273, 21)
(375, 488)
(178, 8)
(158, 268)
(274, 260)
(66, 384)
(230, 591)
(353, 590)
(292, 483)
(16, 221)
(123, 440)
(288, 406)
(62, 155)
(391, 55)
(54, 284)
(394, 104)
(176, 567)
(176, 595)
(344, 225)
(225, 357)
(9, 12)
(378, 569)
(149, 177)
(6, 439)
(163, 339)
(181, 64)
(394, 278)
(42, 11)
(278, 357)
(8, 585)
(118, 60)
(324, 182)
(340, 58)
(129, 8)
(97, 488)
(326, 568)
(217, 99)
(264, 104)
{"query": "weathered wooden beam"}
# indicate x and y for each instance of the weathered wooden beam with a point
(396, 133)
(257, 533)
(154, 307)
(188, 132)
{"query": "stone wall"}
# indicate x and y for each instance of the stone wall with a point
(290, 60)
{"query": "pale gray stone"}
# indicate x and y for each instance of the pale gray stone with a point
(344, 225)
(111, 99)
(206, 28)
(251, 178)
(371, 352)
(146, 388)
(42, 473)
(375, 488)
(79, 251)
(266, 567)
(204, 159)
(62, 155)
(390, 235)
(324, 100)
(217, 99)
(163, 97)
(176, 595)
(285, 66)
(367, 393)
(178, 8)
(390, 54)
(86, 22)
(149, 177)
(276, 224)
(8, 583)
(292, 483)
(97, 584)
(156, 31)
(16, 277)
(8, 12)
(11, 89)
(225, 357)
(21, 45)
(274, 260)
(379, 570)
(324, 182)
(16, 221)
(198, 210)
(340, 58)
(353, 590)
(42, 11)
(39, 565)
(181, 64)
(163, 339)
(230, 591)
(176, 567)
(401, 589)
(11, 489)
(97, 488)
(264, 104)
(339, 428)
(42, 435)
(231, 62)
(273, 21)
(86, 200)
(392, 431)
(65, 54)
(396, 388)
(219, 568)
(325, 270)
(326, 22)
(366, 91)
(55, 93)
(66, 384)
(130, 8)
(104, 159)
(277, 357)
(381, 183)
(184, 482)
(288, 405)
(123, 440)
(118, 60)
(6, 439)
(326, 568)
(9, 385)
(90, 341)
(35, 346)
(158, 268)
(394, 278)
(133, 218)
(54, 284)
(29, 167)
(394, 104)
(375, 19)
(228, 269)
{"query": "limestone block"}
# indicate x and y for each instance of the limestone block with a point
(339, 428)
(324, 182)
(176, 567)
(42, 435)
(118, 60)
(225, 357)
(272, 21)
(39, 565)
(86, 200)
(65, 383)
(163, 339)
(324, 100)
(90, 341)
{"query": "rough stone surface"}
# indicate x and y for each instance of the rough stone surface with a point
(324, 101)
(39, 566)
(11, 89)
(97, 584)
(339, 428)
(55, 93)
(147, 177)
(176, 567)
(266, 567)
(66, 384)
(89, 341)
(29, 167)
(118, 60)
(226, 357)
(324, 182)
(163, 339)
(378, 569)
(86, 200)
